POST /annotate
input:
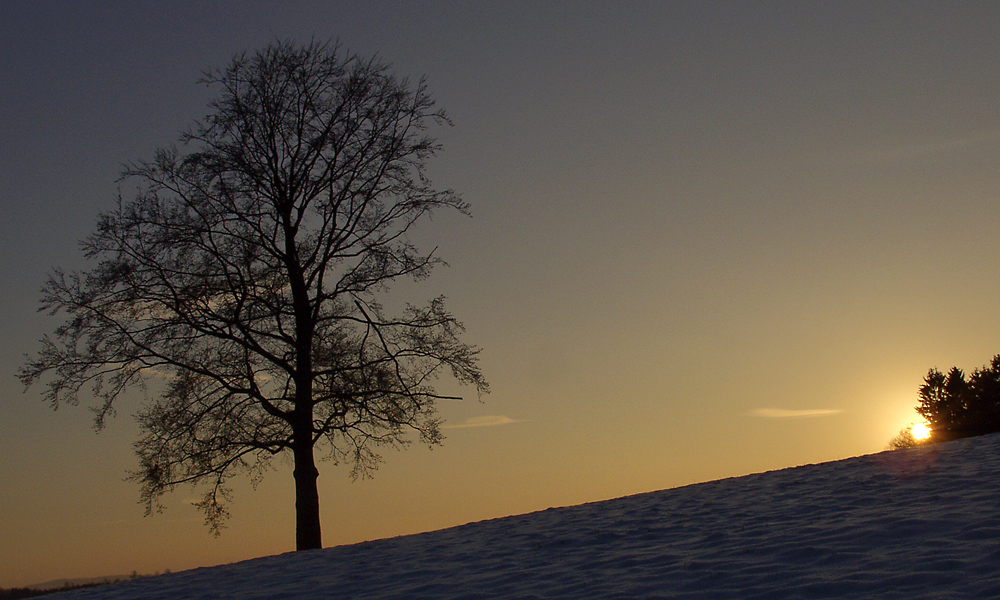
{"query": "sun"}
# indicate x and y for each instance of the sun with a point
(920, 431)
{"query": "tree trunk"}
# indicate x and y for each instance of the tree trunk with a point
(307, 528)
(308, 535)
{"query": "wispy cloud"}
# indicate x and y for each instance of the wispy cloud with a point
(783, 413)
(917, 150)
(486, 421)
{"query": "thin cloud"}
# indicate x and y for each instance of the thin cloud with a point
(783, 413)
(917, 150)
(486, 421)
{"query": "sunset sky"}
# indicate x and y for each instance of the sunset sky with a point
(708, 239)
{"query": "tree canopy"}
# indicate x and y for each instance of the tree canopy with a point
(245, 280)
(957, 406)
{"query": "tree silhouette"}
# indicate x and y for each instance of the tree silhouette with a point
(957, 407)
(904, 439)
(243, 282)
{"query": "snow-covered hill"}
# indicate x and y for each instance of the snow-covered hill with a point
(910, 524)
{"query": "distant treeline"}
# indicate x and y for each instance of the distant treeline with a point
(15, 593)
(957, 406)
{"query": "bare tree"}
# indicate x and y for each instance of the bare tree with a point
(903, 439)
(245, 279)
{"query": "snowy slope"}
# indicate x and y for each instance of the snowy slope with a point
(910, 524)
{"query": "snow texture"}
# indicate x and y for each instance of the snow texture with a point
(909, 524)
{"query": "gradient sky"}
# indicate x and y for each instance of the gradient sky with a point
(709, 239)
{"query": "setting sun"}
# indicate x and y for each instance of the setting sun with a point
(920, 431)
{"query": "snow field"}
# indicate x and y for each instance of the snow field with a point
(910, 524)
